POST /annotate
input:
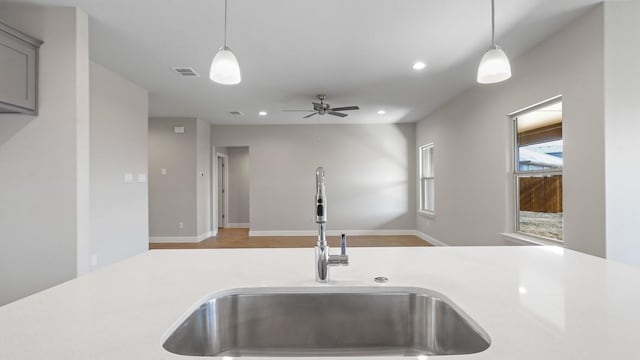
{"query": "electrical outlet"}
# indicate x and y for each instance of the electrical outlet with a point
(94, 260)
(180, 225)
(142, 178)
(163, 171)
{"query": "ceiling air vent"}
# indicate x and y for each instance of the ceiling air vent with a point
(235, 113)
(186, 71)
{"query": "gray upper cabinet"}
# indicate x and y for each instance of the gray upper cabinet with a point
(18, 71)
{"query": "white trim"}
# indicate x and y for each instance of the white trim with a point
(536, 106)
(238, 225)
(429, 239)
(331, 232)
(205, 236)
(521, 239)
(225, 180)
(427, 214)
(173, 239)
(214, 232)
(181, 239)
(214, 189)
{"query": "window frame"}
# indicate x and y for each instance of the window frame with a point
(422, 210)
(517, 174)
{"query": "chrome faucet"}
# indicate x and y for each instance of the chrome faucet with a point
(323, 257)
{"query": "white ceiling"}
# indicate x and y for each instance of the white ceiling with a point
(358, 52)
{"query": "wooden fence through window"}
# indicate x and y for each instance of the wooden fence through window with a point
(541, 194)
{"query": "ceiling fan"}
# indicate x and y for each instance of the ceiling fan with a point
(321, 108)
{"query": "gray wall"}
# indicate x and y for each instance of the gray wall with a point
(370, 174)
(204, 177)
(119, 210)
(183, 194)
(622, 57)
(473, 139)
(238, 186)
(172, 197)
(43, 176)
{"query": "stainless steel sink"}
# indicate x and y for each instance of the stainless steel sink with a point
(326, 322)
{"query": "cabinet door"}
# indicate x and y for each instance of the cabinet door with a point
(17, 74)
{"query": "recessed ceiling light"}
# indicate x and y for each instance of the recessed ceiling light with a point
(419, 65)
(381, 112)
(263, 113)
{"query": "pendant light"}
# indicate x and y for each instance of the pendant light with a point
(224, 67)
(494, 66)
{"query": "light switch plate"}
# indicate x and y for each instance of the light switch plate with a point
(128, 178)
(142, 178)
(163, 171)
(178, 129)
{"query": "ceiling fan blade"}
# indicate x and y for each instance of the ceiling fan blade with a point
(298, 110)
(337, 113)
(345, 108)
(310, 115)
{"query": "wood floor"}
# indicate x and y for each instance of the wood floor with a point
(239, 238)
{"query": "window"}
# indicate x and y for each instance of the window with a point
(427, 179)
(538, 170)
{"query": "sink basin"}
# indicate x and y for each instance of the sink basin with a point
(326, 322)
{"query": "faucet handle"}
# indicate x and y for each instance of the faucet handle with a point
(343, 258)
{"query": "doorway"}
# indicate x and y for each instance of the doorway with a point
(221, 181)
(231, 181)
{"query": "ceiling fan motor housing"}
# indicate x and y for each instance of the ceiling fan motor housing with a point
(321, 107)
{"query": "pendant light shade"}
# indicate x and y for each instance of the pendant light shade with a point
(225, 68)
(494, 66)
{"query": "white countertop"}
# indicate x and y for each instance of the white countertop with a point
(534, 302)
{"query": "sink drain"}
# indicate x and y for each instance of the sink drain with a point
(381, 279)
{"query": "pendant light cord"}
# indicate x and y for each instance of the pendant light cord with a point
(493, 23)
(225, 23)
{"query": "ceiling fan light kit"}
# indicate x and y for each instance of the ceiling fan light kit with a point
(494, 66)
(225, 68)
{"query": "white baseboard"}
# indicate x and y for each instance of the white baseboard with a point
(429, 239)
(181, 239)
(331, 232)
(173, 239)
(238, 225)
(205, 236)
